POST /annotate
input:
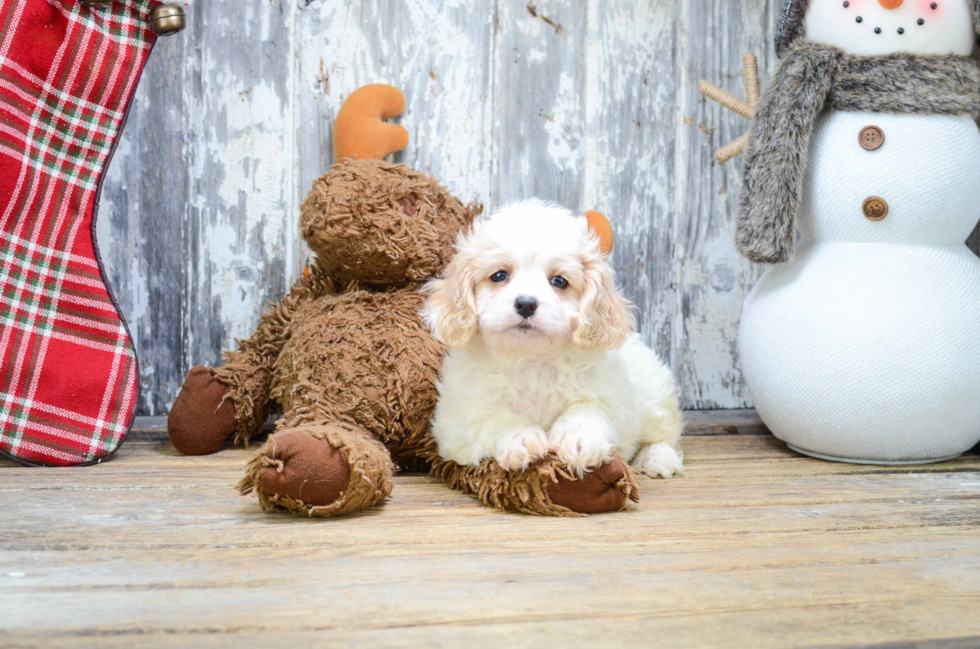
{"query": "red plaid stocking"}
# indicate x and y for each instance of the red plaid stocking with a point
(68, 373)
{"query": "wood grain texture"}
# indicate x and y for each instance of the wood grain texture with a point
(436, 52)
(723, 422)
(755, 546)
(592, 103)
(198, 223)
(631, 172)
(539, 101)
(141, 225)
(712, 278)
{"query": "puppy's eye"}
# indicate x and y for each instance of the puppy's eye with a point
(499, 276)
(559, 282)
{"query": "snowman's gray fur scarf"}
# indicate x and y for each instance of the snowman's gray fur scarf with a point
(811, 78)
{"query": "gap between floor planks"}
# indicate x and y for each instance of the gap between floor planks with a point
(698, 423)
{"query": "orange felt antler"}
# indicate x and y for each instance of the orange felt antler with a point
(359, 130)
(600, 225)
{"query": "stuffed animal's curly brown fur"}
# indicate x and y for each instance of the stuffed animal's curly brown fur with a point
(347, 361)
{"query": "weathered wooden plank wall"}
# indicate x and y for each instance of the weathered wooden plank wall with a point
(198, 223)
(592, 103)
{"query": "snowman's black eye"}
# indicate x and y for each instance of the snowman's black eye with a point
(934, 6)
(860, 19)
(499, 276)
(877, 30)
(921, 21)
(901, 30)
(847, 4)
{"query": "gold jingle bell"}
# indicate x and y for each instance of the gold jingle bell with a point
(167, 19)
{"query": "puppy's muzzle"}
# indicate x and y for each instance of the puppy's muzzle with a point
(526, 306)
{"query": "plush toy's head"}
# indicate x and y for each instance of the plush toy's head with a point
(882, 27)
(374, 222)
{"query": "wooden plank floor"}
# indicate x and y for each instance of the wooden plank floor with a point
(754, 547)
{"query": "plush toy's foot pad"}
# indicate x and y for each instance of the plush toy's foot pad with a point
(604, 489)
(306, 469)
(323, 470)
(202, 418)
(546, 488)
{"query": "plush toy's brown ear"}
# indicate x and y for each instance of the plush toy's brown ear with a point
(359, 130)
(600, 225)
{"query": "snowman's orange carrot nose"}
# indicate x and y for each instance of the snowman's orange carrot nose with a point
(891, 4)
(359, 130)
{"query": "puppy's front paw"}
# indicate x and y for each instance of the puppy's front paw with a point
(659, 460)
(582, 443)
(518, 449)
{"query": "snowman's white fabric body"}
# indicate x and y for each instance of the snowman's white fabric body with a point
(866, 346)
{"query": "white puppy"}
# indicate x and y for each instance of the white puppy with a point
(544, 358)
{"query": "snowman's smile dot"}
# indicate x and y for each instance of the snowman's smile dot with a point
(877, 30)
(847, 4)
(921, 21)
(934, 6)
(901, 30)
(860, 19)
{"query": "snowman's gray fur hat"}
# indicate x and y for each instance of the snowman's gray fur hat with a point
(791, 22)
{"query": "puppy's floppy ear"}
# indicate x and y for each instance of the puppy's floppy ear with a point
(450, 308)
(605, 316)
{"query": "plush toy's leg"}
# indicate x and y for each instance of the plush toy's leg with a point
(545, 488)
(604, 489)
(324, 470)
(199, 420)
(203, 416)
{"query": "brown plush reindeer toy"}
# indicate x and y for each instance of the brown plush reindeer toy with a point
(347, 359)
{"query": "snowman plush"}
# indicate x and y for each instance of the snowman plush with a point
(861, 184)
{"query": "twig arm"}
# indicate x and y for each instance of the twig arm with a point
(732, 150)
(751, 79)
(729, 101)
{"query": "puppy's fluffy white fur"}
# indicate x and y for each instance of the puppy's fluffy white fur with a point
(572, 378)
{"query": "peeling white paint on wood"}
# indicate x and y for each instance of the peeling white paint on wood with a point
(435, 52)
(539, 101)
(198, 225)
(592, 103)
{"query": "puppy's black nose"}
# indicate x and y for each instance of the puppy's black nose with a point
(526, 306)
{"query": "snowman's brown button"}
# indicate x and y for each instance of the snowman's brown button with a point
(875, 208)
(871, 138)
